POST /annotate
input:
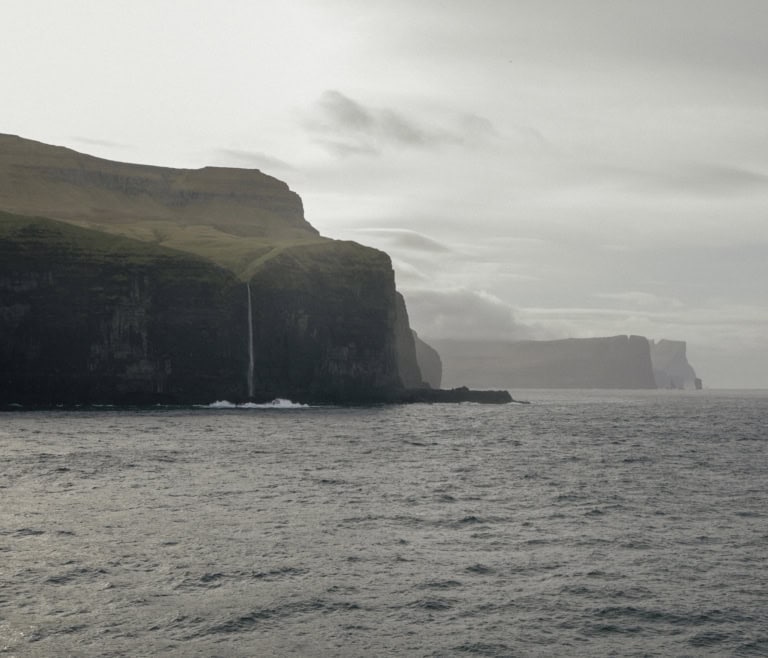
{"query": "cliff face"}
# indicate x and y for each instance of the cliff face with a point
(614, 362)
(95, 316)
(429, 362)
(91, 318)
(670, 365)
(324, 324)
(88, 318)
(407, 362)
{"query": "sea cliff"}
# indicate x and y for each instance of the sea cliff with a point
(670, 365)
(605, 362)
(429, 361)
(87, 317)
(126, 283)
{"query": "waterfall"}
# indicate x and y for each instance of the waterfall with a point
(250, 344)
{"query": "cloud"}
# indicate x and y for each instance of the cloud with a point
(692, 179)
(463, 313)
(731, 180)
(475, 129)
(346, 127)
(641, 299)
(253, 159)
(401, 238)
(415, 257)
(408, 273)
(708, 324)
(99, 142)
(709, 180)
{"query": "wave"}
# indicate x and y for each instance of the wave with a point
(277, 403)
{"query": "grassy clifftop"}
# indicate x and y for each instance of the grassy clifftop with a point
(345, 262)
(230, 216)
(22, 236)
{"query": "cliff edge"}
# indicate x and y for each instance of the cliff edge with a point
(122, 281)
(156, 204)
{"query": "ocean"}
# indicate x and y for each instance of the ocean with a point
(588, 523)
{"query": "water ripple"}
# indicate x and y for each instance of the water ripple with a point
(586, 523)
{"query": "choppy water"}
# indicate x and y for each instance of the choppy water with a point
(585, 524)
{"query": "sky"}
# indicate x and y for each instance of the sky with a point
(535, 168)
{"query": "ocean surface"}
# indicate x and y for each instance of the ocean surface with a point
(588, 523)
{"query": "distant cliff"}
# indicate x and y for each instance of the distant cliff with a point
(429, 362)
(611, 362)
(183, 285)
(407, 362)
(670, 365)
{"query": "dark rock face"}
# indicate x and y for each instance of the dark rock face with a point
(670, 365)
(84, 319)
(615, 362)
(429, 362)
(407, 360)
(325, 325)
(91, 318)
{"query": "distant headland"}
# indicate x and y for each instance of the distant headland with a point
(615, 362)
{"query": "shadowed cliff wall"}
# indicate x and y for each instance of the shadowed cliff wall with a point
(324, 320)
(92, 318)
(429, 362)
(89, 318)
(407, 362)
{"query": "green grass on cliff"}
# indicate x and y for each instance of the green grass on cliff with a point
(240, 219)
(234, 252)
(284, 263)
(141, 241)
(302, 266)
(25, 238)
(239, 254)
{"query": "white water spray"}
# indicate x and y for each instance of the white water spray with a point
(250, 344)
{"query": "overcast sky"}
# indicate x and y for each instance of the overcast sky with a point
(535, 168)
